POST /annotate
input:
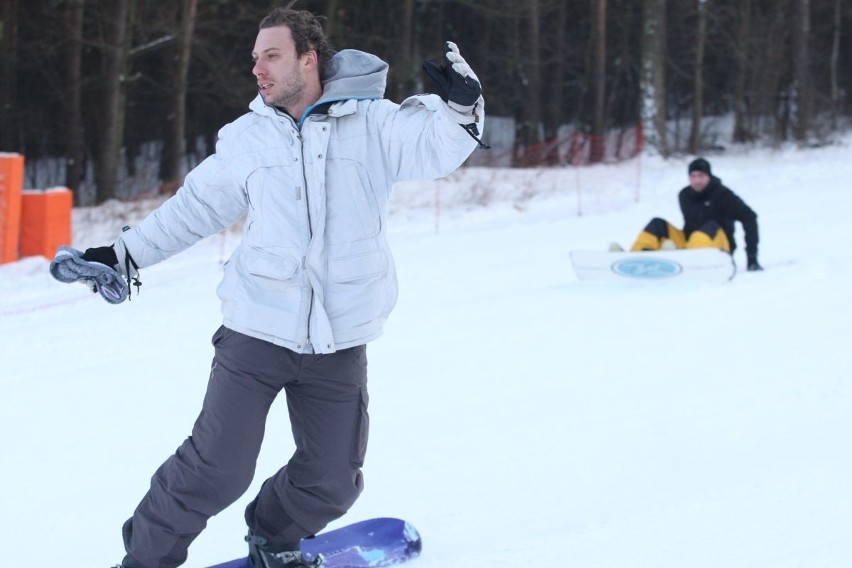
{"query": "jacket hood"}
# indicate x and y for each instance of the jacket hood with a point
(353, 74)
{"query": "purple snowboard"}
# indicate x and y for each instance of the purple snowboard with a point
(369, 544)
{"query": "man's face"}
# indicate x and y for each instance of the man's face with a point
(698, 180)
(279, 71)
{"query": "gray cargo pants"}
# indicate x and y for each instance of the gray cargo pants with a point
(327, 402)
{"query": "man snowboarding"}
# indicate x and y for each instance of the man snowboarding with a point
(311, 283)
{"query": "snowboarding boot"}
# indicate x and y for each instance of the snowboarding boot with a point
(263, 554)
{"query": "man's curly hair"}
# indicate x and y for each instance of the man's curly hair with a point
(306, 29)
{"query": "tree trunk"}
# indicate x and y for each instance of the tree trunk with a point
(532, 61)
(801, 71)
(525, 42)
(698, 80)
(8, 76)
(599, 73)
(742, 118)
(331, 20)
(654, 76)
(835, 56)
(769, 61)
(404, 72)
(174, 144)
(74, 149)
(555, 92)
(112, 128)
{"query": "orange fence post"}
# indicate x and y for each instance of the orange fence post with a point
(45, 221)
(11, 185)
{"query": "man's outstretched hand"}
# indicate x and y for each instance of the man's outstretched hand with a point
(455, 82)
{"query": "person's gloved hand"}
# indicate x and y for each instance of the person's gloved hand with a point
(99, 272)
(104, 255)
(456, 82)
(753, 265)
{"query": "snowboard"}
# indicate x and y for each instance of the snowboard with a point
(367, 544)
(703, 264)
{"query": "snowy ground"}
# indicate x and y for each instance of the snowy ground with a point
(519, 417)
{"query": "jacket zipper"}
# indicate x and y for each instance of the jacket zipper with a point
(307, 206)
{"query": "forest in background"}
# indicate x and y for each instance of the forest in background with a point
(91, 85)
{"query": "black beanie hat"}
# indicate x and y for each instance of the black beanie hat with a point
(700, 165)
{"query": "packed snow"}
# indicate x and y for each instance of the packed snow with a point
(519, 417)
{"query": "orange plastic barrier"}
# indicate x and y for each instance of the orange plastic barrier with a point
(45, 221)
(11, 184)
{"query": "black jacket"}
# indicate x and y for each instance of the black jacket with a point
(717, 202)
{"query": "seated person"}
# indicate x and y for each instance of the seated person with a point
(709, 212)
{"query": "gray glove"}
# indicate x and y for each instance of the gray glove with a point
(69, 265)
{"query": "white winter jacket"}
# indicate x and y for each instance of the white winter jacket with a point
(313, 271)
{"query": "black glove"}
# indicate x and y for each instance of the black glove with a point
(104, 255)
(455, 82)
(753, 265)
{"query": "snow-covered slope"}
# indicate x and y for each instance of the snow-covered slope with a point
(519, 417)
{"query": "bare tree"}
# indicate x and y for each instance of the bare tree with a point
(8, 75)
(75, 149)
(532, 63)
(406, 43)
(801, 70)
(599, 79)
(111, 133)
(558, 41)
(834, 84)
(743, 131)
(698, 78)
(766, 65)
(174, 143)
(653, 75)
(331, 22)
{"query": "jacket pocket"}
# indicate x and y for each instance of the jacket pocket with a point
(357, 268)
(271, 267)
(263, 292)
